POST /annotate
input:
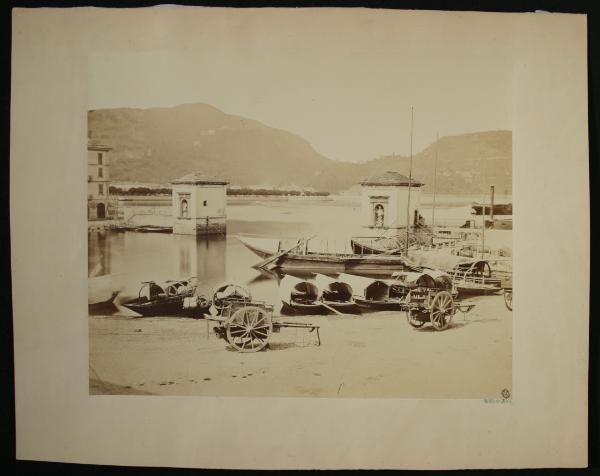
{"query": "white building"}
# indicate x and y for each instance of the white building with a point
(384, 201)
(199, 205)
(98, 180)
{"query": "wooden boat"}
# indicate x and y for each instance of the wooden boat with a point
(475, 277)
(502, 224)
(429, 278)
(376, 245)
(228, 293)
(173, 298)
(154, 229)
(404, 282)
(103, 289)
(335, 293)
(299, 259)
(371, 293)
(299, 295)
(498, 208)
(391, 245)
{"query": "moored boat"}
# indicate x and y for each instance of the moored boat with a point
(371, 293)
(299, 295)
(102, 289)
(496, 209)
(298, 258)
(475, 278)
(391, 245)
(403, 283)
(153, 229)
(228, 293)
(172, 298)
(335, 293)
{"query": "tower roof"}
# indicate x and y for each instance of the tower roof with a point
(198, 178)
(96, 145)
(391, 178)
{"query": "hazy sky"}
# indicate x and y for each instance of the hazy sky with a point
(345, 81)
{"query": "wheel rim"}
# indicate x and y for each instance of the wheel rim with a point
(249, 329)
(508, 299)
(442, 310)
(412, 320)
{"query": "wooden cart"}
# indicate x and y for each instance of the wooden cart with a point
(248, 325)
(427, 296)
(432, 305)
(508, 292)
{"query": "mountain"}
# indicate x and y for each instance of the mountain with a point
(466, 163)
(161, 144)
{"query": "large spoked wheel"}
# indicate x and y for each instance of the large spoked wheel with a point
(508, 298)
(412, 316)
(249, 329)
(442, 310)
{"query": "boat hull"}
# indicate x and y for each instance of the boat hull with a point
(378, 305)
(477, 290)
(165, 307)
(101, 289)
(372, 265)
(363, 249)
(377, 264)
(346, 307)
(309, 309)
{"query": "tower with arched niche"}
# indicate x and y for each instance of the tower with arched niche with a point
(199, 205)
(384, 200)
(98, 180)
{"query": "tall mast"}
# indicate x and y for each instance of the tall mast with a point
(434, 182)
(409, 180)
(483, 212)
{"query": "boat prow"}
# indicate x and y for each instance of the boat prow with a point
(260, 246)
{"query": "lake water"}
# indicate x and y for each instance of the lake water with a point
(134, 257)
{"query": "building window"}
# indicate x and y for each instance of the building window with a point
(99, 158)
(100, 172)
(100, 189)
(204, 202)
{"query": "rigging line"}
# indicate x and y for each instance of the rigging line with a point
(409, 178)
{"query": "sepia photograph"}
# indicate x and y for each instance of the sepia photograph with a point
(284, 238)
(323, 213)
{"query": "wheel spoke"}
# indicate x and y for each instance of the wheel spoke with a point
(258, 337)
(254, 317)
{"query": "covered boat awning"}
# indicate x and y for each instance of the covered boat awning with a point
(292, 288)
(372, 289)
(333, 289)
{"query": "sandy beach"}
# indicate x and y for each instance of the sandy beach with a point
(370, 355)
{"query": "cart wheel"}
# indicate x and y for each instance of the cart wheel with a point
(413, 320)
(508, 299)
(442, 310)
(249, 329)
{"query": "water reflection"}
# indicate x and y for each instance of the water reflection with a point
(99, 244)
(203, 257)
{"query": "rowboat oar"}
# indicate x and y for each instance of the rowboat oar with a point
(270, 259)
(334, 310)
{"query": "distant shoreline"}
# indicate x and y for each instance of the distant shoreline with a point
(442, 200)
